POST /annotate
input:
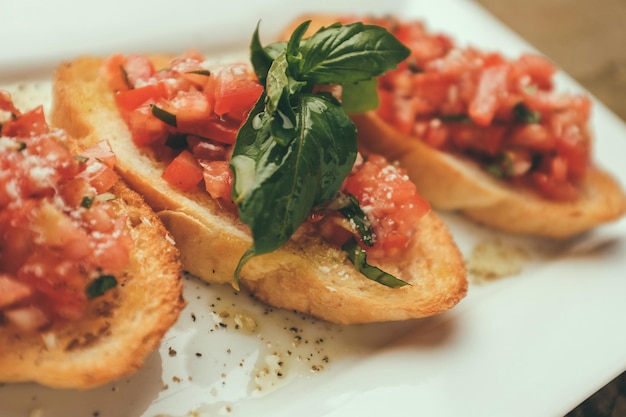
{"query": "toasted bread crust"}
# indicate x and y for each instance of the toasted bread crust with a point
(327, 287)
(211, 240)
(453, 182)
(119, 329)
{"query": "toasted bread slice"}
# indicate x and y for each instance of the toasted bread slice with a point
(118, 329)
(212, 240)
(454, 182)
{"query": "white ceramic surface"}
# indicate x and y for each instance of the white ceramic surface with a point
(533, 344)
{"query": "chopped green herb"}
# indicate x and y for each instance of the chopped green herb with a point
(502, 167)
(353, 212)
(359, 258)
(125, 77)
(525, 115)
(87, 201)
(81, 159)
(163, 115)
(100, 285)
(200, 72)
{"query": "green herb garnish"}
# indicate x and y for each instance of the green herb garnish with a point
(200, 72)
(526, 115)
(353, 212)
(87, 201)
(100, 285)
(81, 159)
(296, 147)
(502, 167)
(163, 115)
(359, 258)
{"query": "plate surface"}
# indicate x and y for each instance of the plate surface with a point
(533, 344)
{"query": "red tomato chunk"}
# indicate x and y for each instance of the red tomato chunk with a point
(57, 232)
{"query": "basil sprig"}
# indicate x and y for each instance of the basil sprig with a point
(296, 146)
(359, 258)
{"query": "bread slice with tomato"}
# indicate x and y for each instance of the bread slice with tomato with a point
(488, 136)
(190, 185)
(90, 280)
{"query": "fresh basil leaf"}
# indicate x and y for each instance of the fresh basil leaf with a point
(163, 115)
(341, 54)
(87, 201)
(276, 185)
(353, 212)
(358, 257)
(100, 285)
(279, 88)
(200, 72)
(526, 115)
(360, 97)
(261, 58)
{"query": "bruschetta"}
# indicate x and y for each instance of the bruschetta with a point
(185, 132)
(485, 135)
(90, 279)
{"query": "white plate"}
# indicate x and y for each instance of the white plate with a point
(534, 344)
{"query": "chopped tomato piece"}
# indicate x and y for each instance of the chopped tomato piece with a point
(129, 100)
(188, 106)
(218, 179)
(146, 128)
(390, 199)
(223, 131)
(115, 74)
(31, 123)
(485, 103)
(235, 91)
(101, 152)
(184, 171)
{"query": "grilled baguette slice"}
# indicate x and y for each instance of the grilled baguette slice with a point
(306, 274)
(118, 329)
(455, 182)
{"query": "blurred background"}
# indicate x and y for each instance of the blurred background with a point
(587, 39)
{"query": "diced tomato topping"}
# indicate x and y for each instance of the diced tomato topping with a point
(235, 91)
(129, 100)
(391, 202)
(56, 234)
(146, 129)
(481, 104)
(184, 171)
(31, 123)
(218, 179)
